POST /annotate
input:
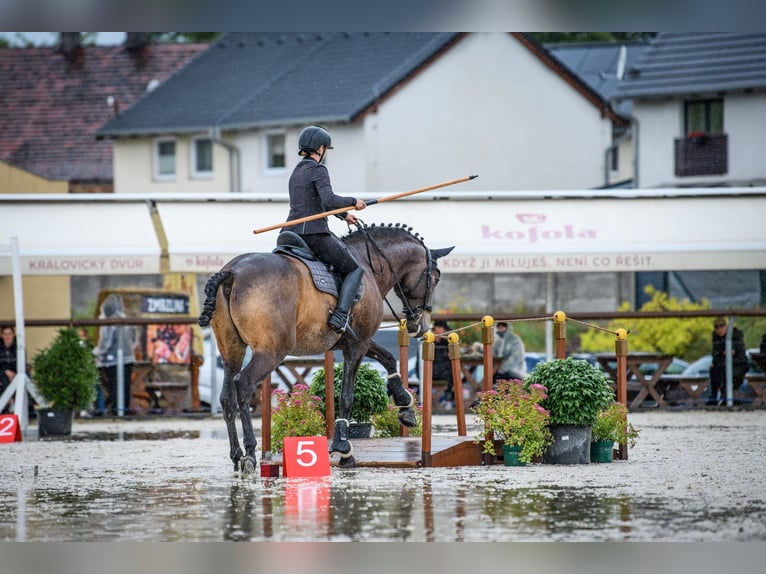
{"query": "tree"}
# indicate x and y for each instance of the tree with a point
(687, 338)
(589, 37)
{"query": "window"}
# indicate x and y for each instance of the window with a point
(202, 157)
(704, 116)
(165, 159)
(275, 152)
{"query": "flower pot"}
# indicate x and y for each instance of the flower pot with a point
(51, 422)
(359, 430)
(571, 445)
(601, 451)
(511, 455)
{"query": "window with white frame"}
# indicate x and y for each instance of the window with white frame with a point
(165, 159)
(202, 157)
(276, 159)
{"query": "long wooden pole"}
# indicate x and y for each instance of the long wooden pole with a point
(371, 202)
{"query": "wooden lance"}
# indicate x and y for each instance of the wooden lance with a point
(371, 202)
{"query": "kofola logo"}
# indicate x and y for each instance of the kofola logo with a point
(533, 228)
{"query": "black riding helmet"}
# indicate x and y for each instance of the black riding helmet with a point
(312, 138)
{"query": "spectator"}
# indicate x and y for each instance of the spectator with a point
(106, 353)
(7, 360)
(510, 348)
(98, 406)
(442, 369)
(718, 366)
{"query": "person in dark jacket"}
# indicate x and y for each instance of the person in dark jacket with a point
(8, 365)
(442, 366)
(311, 193)
(718, 366)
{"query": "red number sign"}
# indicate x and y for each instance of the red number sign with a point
(9, 429)
(305, 456)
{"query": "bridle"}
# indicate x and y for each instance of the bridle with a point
(413, 314)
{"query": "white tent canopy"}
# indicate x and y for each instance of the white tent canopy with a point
(512, 234)
(493, 232)
(57, 237)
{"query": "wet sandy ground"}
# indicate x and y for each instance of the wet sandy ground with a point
(694, 476)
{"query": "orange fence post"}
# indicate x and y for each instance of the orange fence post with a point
(488, 338)
(428, 371)
(621, 352)
(560, 333)
(457, 381)
(329, 393)
(403, 338)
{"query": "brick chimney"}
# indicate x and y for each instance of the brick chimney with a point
(136, 41)
(70, 44)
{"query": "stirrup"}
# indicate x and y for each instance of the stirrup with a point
(339, 321)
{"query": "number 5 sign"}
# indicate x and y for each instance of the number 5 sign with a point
(305, 456)
(9, 429)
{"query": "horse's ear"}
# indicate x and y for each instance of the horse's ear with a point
(436, 253)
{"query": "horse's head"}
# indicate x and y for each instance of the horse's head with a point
(416, 288)
(399, 259)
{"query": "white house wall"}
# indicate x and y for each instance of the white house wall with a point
(487, 106)
(660, 123)
(134, 168)
(345, 161)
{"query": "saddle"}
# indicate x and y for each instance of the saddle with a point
(325, 279)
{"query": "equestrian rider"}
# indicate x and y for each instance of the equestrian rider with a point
(311, 193)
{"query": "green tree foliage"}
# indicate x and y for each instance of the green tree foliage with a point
(687, 338)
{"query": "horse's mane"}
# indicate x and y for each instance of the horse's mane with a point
(383, 229)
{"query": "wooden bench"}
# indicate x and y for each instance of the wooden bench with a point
(758, 384)
(173, 393)
(693, 387)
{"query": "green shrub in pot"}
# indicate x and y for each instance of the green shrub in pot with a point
(577, 391)
(612, 426)
(370, 396)
(65, 373)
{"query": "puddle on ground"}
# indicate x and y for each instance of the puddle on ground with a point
(355, 505)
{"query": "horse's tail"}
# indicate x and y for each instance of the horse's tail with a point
(211, 290)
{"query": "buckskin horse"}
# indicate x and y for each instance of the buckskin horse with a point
(269, 302)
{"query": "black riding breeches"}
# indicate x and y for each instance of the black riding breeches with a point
(332, 251)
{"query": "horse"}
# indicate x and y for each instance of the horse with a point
(268, 301)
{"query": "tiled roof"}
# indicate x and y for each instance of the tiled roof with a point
(597, 65)
(675, 64)
(248, 80)
(50, 106)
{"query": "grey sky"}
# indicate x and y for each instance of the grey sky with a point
(50, 38)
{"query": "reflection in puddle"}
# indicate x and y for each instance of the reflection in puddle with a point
(347, 507)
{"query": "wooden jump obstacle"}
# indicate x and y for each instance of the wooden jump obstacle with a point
(429, 451)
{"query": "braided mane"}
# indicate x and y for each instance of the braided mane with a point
(384, 229)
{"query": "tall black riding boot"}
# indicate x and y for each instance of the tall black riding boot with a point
(339, 317)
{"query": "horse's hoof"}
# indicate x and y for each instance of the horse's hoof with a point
(407, 418)
(344, 448)
(347, 462)
(247, 465)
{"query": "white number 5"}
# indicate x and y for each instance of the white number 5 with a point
(304, 447)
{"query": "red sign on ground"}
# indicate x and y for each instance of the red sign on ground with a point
(305, 456)
(9, 429)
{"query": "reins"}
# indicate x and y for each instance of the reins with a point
(409, 312)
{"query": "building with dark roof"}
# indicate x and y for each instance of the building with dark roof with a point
(403, 109)
(699, 109)
(54, 98)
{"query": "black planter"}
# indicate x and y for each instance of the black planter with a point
(51, 422)
(571, 445)
(359, 430)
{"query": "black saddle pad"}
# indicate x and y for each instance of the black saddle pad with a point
(324, 279)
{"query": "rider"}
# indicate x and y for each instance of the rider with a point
(311, 193)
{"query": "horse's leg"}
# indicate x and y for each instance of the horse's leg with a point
(229, 406)
(402, 397)
(255, 371)
(340, 443)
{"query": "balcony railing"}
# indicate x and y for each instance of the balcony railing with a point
(707, 154)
